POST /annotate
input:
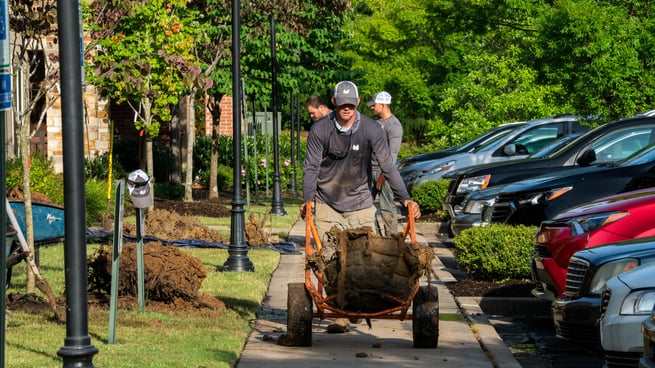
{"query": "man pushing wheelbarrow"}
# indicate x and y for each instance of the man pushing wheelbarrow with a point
(337, 198)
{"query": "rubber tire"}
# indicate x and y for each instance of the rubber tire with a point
(299, 315)
(425, 325)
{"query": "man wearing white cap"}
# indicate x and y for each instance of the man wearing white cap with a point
(337, 169)
(380, 105)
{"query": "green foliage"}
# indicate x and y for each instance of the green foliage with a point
(168, 190)
(96, 201)
(260, 161)
(98, 167)
(225, 177)
(43, 178)
(495, 253)
(430, 194)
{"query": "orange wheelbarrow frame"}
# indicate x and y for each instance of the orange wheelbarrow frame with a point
(316, 290)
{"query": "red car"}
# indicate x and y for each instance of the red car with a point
(619, 217)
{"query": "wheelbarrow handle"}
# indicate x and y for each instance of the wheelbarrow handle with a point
(310, 230)
(410, 228)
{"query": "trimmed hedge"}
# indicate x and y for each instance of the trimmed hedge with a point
(497, 252)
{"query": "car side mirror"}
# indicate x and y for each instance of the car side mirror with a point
(510, 149)
(587, 157)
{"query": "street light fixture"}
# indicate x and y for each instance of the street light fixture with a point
(238, 248)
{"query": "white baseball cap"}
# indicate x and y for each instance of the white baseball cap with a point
(380, 98)
(140, 189)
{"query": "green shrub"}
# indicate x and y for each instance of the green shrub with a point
(495, 253)
(43, 178)
(430, 195)
(168, 190)
(96, 201)
(225, 177)
(98, 167)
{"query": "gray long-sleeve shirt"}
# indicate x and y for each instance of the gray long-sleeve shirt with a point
(337, 165)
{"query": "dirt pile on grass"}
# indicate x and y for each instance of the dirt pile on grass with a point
(171, 279)
(170, 225)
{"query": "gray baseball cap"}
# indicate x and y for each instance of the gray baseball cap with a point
(345, 93)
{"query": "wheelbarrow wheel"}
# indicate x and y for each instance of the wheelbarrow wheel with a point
(425, 325)
(299, 316)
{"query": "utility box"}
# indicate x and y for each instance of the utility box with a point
(263, 123)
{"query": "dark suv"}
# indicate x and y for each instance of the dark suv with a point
(610, 142)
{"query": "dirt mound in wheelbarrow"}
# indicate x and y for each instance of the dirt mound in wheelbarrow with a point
(370, 273)
(172, 279)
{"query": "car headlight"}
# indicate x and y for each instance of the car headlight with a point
(441, 167)
(546, 196)
(639, 302)
(473, 183)
(473, 206)
(609, 270)
(587, 224)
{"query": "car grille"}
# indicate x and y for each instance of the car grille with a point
(503, 209)
(619, 359)
(605, 301)
(575, 277)
(541, 250)
(583, 334)
(452, 185)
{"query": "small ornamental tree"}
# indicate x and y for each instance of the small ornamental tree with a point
(144, 57)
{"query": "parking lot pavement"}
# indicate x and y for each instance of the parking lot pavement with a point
(463, 342)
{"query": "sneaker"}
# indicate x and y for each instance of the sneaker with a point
(341, 325)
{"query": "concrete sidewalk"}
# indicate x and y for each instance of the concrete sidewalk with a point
(466, 338)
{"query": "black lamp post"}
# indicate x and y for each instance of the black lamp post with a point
(277, 207)
(238, 248)
(77, 350)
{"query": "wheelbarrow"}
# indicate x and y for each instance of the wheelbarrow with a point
(316, 298)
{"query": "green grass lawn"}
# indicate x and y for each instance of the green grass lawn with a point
(148, 339)
(152, 339)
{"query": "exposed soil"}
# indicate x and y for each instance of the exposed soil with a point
(510, 288)
(173, 278)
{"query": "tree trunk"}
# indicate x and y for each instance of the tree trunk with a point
(176, 149)
(27, 200)
(213, 161)
(190, 139)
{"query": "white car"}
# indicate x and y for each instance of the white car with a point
(627, 301)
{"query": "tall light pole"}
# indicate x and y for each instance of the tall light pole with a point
(77, 350)
(238, 248)
(277, 207)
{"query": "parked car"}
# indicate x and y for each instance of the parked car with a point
(464, 147)
(627, 301)
(531, 201)
(611, 142)
(576, 312)
(602, 221)
(647, 360)
(518, 143)
(469, 214)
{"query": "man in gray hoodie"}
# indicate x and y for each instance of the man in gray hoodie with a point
(337, 169)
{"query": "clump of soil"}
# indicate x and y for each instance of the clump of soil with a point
(510, 288)
(172, 278)
(169, 225)
(214, 207)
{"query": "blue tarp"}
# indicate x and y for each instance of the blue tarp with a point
(95, 235)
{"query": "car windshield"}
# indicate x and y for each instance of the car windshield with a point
(485, 138)
(492, 142)
(555, 146)
(644, 155)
